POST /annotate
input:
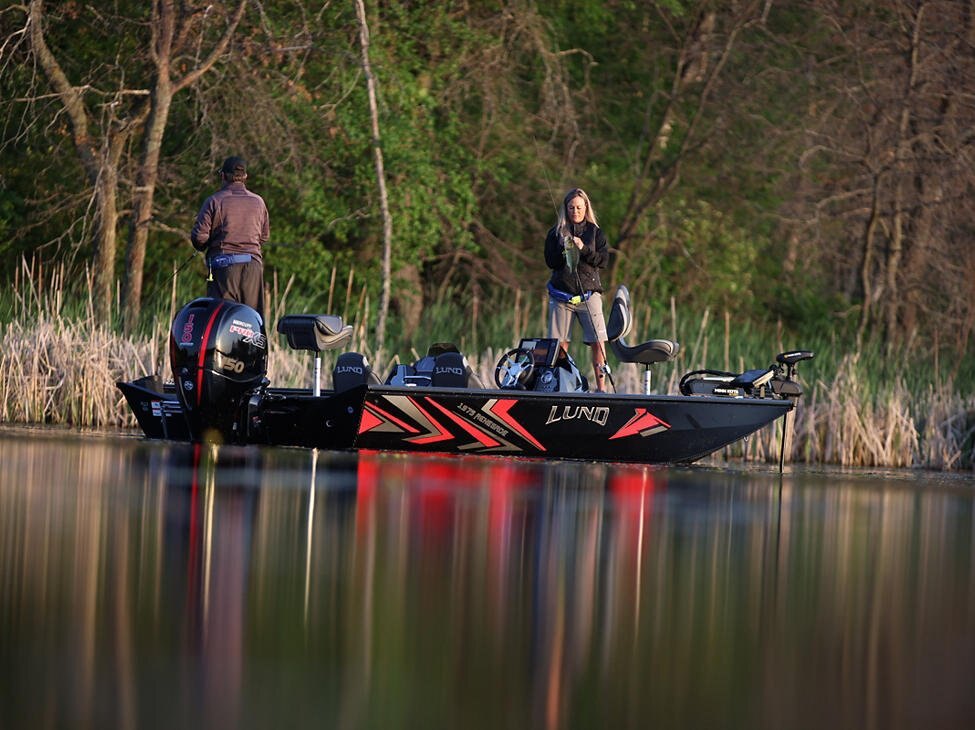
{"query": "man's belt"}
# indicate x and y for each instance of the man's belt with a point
(564, 296)
(223, 260)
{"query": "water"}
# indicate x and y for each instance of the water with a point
(159, 585)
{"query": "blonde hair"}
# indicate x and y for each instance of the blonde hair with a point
(562, 223)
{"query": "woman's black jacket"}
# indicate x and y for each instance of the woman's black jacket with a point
(593, 257)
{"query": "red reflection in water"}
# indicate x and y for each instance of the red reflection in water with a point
(547, 564)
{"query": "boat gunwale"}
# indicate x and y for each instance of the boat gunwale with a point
(527, 395)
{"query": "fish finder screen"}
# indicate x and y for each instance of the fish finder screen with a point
(544, 351)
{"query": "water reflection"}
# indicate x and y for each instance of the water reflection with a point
(149, 585)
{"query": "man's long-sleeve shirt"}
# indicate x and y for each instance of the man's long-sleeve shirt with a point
(232, 220)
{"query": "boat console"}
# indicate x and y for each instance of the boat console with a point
(541, 365)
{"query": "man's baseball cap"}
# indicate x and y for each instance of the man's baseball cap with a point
(234, 164)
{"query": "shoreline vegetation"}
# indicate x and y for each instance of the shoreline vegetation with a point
(59, 366)
(766, 179)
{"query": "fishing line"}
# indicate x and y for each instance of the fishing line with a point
(185, 263)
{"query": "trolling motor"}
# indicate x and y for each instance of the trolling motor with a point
(218, 355)
(778, 380)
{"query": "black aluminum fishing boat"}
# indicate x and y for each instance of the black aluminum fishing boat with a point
(538, 406)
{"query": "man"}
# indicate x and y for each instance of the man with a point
(231, 227)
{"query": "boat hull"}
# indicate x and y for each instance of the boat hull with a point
(621, 428)
(282, 417)
(156, 408)
(624, 428)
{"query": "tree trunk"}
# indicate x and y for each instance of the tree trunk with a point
(101, 164)
(894, 254)
(106, 221)
(867, 264)
(916, 260)
(894, 299)
(408, 302)
(169, 30)
(146, 177)
(380, 174)
(696, 68)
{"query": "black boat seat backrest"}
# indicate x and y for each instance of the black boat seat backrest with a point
(315, 332)
(439, 347)
(451, 370)
(618, 327)
(352, 369)
(620, 320)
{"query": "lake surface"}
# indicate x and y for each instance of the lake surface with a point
(153, 585)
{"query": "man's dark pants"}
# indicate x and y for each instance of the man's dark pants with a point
(242, 283)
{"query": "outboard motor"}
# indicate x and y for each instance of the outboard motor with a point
(218, 353)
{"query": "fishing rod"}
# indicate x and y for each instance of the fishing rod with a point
(605, 365)
(276, 244)
(182, 235)
(186, 263)
(179, 268)
(567, 242)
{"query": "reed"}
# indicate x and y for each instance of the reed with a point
(63, 371)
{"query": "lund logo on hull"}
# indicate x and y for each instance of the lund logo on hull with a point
(596, 414)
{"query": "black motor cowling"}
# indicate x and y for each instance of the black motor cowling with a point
(218, 353)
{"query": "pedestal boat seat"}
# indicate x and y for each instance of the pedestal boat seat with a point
(316, 333)
(645, 353)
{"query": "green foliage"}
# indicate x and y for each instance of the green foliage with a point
(696, 254)
(428, 166)
(487, 113)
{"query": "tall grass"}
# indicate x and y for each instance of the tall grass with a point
(57, 365)
(867, 407)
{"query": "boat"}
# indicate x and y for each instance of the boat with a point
(539, 405)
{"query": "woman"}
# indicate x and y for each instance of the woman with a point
(575, 250)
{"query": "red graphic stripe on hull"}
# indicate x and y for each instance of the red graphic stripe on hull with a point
(640, 422)
(369, 421)
(470, 428)
(389, 417)
(500, 409)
